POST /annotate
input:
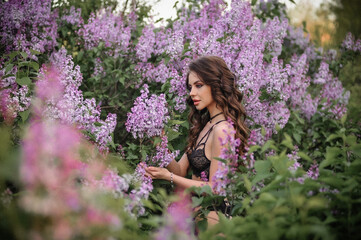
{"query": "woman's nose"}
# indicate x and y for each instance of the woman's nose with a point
(192, 92)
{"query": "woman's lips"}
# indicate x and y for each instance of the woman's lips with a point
(196, 102)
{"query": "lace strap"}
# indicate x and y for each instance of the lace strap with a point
(207, 134)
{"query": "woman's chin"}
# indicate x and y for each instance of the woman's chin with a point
(199, 108)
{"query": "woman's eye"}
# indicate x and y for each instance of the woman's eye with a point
(199, 85)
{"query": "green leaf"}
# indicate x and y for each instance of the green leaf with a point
(35, 52)
(13, 55)
(267, 197)
(332, 154)
(280, 163)
(254, 2)
(300, 120)
(8, 68)
(262, 166)
(267, 145)
(122, 80)
(263, 131)
(343, 119)
(24, 115)
(23, 81)
(175, 122)
(80, 55)
(24, 54)
(143, 152)
(207, 189)
(260, 177)
(356, 149)
(304, 156)
(172, 135)
(34, 65)
(111, 143)
(297, 137)
(333, 136)
(287, 141)
(254, 148)
(247, 183)
(98, 124)
(196, 201)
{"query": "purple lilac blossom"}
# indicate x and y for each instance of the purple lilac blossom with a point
(72, 107)
(14, 100)
(244, 42)
(229, 153)
(108, 28)
(73, 16)
(148, 115)
(204, 177)
(313, 172)
(179, 221)
(6, 197)
(98, 68)
(28, 24)
(163, 157)
(349, 43)
(293, 156)
(48, 172)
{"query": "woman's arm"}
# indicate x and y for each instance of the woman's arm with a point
(179, 168)
(162, 173)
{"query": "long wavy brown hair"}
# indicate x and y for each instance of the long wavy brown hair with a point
(213, 71)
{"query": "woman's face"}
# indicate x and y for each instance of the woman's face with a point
(200, 92)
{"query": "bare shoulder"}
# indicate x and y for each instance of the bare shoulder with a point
(222, 129)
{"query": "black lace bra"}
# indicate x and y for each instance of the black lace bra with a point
(197, 158)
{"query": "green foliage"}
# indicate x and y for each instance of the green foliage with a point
(270, 204)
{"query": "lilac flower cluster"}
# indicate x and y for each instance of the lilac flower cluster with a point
(229, 153)
(98, 68)
(28, 24)
(49, 170)
(109, 29)
(148, 115)
(312, 172)
(6, 197)
(73, 16)
(136, 195)
(163, 157)
(58, 139)
(246, 157)
(349, 43)
(332, 91)
(179, 221)
(14, 100)
(72, 107)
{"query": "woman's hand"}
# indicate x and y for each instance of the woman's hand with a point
(158, 173)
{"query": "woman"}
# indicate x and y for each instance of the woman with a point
(213, 98)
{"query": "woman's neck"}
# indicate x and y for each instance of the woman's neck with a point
(215, 113)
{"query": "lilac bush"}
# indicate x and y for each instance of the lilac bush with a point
(350, 44)
(229, 165)
(107, 28)
(72, 107)
(252, 48)
(14, 100)
(148, 115)
(72, 16)
(28, 25)
(178, 220)
(52, 171)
